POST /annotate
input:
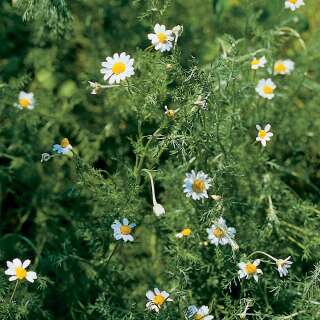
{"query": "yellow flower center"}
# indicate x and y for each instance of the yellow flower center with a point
(218, 232)
(280, 67)
(24, 103)
(158, 299)
(262, 134)
(293, 1)
(64, 142)
(162, 37)
(118, 68)
(21, 273)
(125, 230)
(267, 89)
(198, 316)
(198, 186)
(250, 268)
(186, 232)
(170, 113)
(254, 62)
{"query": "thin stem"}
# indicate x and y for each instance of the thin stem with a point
(154, 200)
(14, 290)
(112, 253)
(264, 253)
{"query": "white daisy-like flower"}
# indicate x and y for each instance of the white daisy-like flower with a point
(264, 135)
(283, 67)
(161, 39)
(17, 270)
(249, 269)
(184, 233)
(283, 266)
(117, 68)
(26, 101)
(170, 113)
(265, 88)
(294, 4)
(199, 314)
(220, 233)
(196, 185)
(257, 63)
(156, 299)
(63, 148)
(123, 230)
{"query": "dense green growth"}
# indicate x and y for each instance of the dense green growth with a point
(59, 213)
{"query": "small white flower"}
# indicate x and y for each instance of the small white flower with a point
(123, 230)
(199, 314)
(283, 67)
(158, 210)
(283, 266)
(219, 233)
(63, 148)
(294, 4)
(117, 68)
(156, 299)
(248, 270)
(186, 232)
(161, 39)
(257, 63)
(96, 87)
(265, 88)
(17, 270)
(26, 101)
(264, 135)
(196, 185)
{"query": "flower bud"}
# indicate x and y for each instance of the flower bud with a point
(158, 210)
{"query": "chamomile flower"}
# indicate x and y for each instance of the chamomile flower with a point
(63, 148)
(123, 230)
(257, 63)
(95, 86)
(283, 67)
(249, 269)
(196, 185)
(17, 270)
(220, 233)
(265, 88)
(186, 232)
(170, 113)
(161, 39)
(264, 135)
(156, 299)
(26, 100)
(196, 314)
(117, 68)
(294, 4)
(283, 266)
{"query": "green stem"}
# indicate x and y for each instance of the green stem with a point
(264, 253)
(112, 253)
(14, 290)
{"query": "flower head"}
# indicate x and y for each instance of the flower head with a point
(294, 4)
(184, 233)
(158, 210)
(123, 230)
(199, 314)
(17, 270)
(283, 67)
(95, 86)
(156, 299)
(249, 269)
(219, 233)
(257, 63)
(283, 266)
(161, 39)
(63, 148)
(117, 68)
(26, 101)
(264, 135)
(196, 185)
(265, 88)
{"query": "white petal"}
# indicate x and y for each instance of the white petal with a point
(26, 263)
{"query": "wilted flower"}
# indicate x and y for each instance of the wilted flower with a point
(117, 68)
(63, 148)
(220, 233)
(186, 232)
(26, 101)
(157, 299)
(161, 39)
(283, 266)
(264, 135)
(199, 314)
(283, 67)
(294, 4)
(17, 270)
(96, 87)
(123, 230)
(257, 63)
(196, 185)
(158, 209)
(248, 270)
(265, 88)
(201, 102)
(170, 113)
